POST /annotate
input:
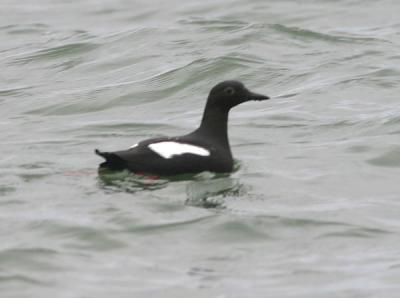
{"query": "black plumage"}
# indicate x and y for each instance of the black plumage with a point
(211, 152)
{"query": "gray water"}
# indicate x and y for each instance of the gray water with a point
(312, 211)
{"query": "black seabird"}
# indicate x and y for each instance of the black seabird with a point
(205, 149)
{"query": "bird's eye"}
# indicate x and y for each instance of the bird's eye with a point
(229, 90)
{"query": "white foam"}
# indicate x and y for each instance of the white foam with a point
(169, 149)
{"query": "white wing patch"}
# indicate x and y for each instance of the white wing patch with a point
(133, 146)
(170, 149)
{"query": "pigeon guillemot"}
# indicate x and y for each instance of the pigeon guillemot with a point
(205, 149)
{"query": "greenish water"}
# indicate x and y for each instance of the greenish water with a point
(313, 210)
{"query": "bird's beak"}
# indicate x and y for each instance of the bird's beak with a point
(256, 96)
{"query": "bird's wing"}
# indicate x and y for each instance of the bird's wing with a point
(164, 156)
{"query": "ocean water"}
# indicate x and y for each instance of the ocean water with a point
(312, 211)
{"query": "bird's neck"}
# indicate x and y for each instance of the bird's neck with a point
(215, 125)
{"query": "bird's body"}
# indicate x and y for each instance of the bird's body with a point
(205, 149)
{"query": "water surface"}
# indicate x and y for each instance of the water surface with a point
(313, 210)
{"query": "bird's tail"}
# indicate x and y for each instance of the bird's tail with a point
(113, 161)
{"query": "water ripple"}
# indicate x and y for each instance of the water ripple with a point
(80, 237)
(36, 258)
(14, 91)
(306, 34)
(358, 232)
(57, 52)
(20, 278)
(389, 159)
(163, 227)
(214, 24)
